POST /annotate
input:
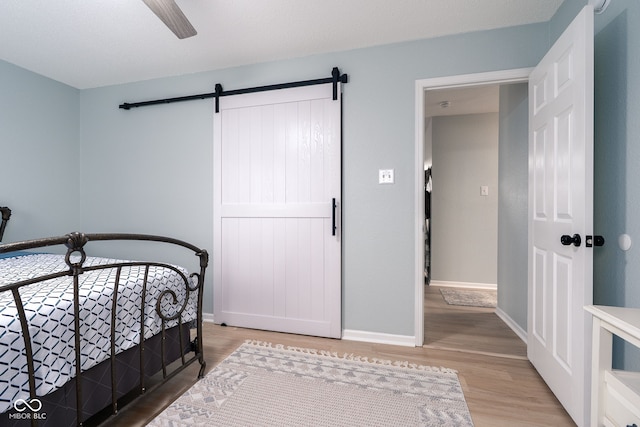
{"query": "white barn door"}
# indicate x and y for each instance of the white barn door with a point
(277, 198)
(561, 204)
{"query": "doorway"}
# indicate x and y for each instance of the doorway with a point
(422, 89)
(461, 197)
(461, 225)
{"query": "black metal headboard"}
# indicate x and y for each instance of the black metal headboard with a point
(6, 214)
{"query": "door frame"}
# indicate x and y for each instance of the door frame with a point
(517, 75)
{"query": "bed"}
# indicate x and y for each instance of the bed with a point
(80, 334)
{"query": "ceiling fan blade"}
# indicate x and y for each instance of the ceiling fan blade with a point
(169, 12)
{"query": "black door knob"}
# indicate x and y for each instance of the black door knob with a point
(567, 240)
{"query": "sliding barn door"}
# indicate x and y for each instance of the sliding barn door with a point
(277, 198)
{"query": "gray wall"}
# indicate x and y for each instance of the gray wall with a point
(513, 201)
(617, 159)
(39, 155)
(129, 161)
(378, 285)
(464, 224)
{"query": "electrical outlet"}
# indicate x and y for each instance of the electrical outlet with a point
(385, 176)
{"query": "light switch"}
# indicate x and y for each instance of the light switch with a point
(484, 190)
(385, 176)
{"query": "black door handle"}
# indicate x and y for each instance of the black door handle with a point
(567, 240)
(333, 217)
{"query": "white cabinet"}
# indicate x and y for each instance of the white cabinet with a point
(615, 394)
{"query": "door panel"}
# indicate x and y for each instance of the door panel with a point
(278, 260)
(538, 312)
(561, 203)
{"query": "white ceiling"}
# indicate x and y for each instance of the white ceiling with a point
(92, 43)
(467, 100)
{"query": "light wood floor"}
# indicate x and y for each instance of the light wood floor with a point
(500, 386)
(471, 329)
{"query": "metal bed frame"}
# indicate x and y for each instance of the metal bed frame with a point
(5, 212)
(75, 244)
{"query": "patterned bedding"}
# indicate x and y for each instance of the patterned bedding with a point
(49, 310)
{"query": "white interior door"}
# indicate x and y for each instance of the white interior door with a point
(561, 203)
(277, 172)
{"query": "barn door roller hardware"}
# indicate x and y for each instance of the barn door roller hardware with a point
(335, 78)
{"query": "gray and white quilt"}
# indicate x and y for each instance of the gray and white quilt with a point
(49, 310)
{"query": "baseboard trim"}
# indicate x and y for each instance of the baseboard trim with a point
(474, 285)
(363, 336)
(379, 338)
(513, 325)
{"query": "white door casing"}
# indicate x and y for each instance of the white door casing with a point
(519, 75)
(277, 169)
(561, 203)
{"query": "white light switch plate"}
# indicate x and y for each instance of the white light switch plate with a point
(385, 176)
(484, 190)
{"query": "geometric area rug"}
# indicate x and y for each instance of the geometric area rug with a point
(470, 297)
(262, 384)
